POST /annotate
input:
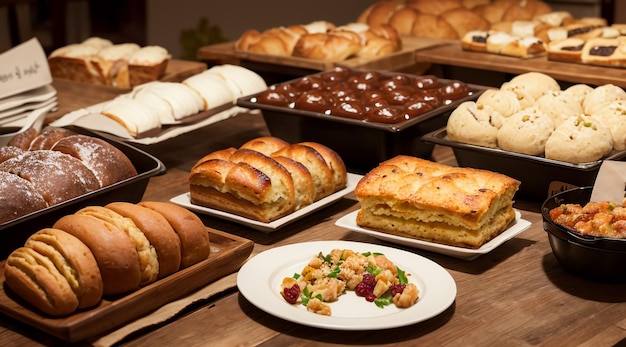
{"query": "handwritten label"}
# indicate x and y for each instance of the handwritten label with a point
(24, 67)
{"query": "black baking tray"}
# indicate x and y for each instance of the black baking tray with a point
(362, 145)
(14, 233)
(540, 178)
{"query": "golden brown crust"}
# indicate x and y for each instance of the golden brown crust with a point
(115, 253)
(464, 20)
(331, 46)
(302, 180)
(566, 50)
(265, 144)
(430, 25)
(35, 278)
(148, 262)
(407, 193)
(108, 163)
(74, 261)
(157, 230)
(315, 163)
(434, 7)
(193, 235)
(334, 162)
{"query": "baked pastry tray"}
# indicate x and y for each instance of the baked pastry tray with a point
(228, 253)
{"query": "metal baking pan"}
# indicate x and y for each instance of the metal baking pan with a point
(361, 144)
(14, 233)
(540, 178)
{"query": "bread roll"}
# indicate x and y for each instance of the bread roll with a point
(73, 260)
(474, 123)
(36, 279)
(57, 176)
(194, 238)
(23, 139)
(334, 162)
(148, 261)
(434, 7)
(115, 253)
(504, 102)
(525, 132)
(8, 152)
(267, 145)
(464, 20)
(315, 163)
(579, 139)
(109, 164)
(157, 230)
(18, 197)
(48, 137)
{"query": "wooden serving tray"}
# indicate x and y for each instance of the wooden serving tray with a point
(225, 53)
(228, 253)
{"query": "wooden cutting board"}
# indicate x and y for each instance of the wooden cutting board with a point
(228, 253)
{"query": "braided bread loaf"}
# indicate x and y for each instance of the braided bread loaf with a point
(266, 178)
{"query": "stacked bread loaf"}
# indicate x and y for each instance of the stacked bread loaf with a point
(266, 178)
(531, 114)
(99, 61)
(150, 106)
(42, 169)
(421, 199)
(449, 19)
(103, 252)
(322, 40)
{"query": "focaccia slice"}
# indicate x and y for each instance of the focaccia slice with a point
(425, 200)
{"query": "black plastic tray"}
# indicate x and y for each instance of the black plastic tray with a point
(14, 233)
(540, 178)
(362, 145)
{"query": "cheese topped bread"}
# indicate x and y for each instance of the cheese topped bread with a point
(420, 199)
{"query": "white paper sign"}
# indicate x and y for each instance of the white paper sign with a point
(610, 182)
(23, 67)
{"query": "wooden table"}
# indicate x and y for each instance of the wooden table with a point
(516, 295)
(485, 64)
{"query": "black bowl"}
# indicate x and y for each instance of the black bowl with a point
(593, 257)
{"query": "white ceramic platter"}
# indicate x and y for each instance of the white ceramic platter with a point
(259, 282)
(184, 200)
(519, 225)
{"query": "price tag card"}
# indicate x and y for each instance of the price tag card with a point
(22, 68)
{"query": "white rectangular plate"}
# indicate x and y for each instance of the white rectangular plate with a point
(183, 200)
(515, 228)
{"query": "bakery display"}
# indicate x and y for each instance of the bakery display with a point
(322, 40)
(580, 124)
(450, 19)
(100, 61)
(503, 43)
(371, 96)
(421, 199)
(151, 107)
(266, 178)
(98, 252)
(57, 165)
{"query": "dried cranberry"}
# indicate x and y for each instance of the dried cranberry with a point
(370, 297)
(291, 294)
(397, 289)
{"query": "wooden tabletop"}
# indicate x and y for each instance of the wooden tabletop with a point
(515, 295)
(453, 55)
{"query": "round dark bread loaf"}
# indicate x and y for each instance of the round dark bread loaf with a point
(18, 197)
(108, 163)
(57, 176)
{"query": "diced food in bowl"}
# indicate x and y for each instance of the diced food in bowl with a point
(595, 218)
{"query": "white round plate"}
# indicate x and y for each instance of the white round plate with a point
(259, 282)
